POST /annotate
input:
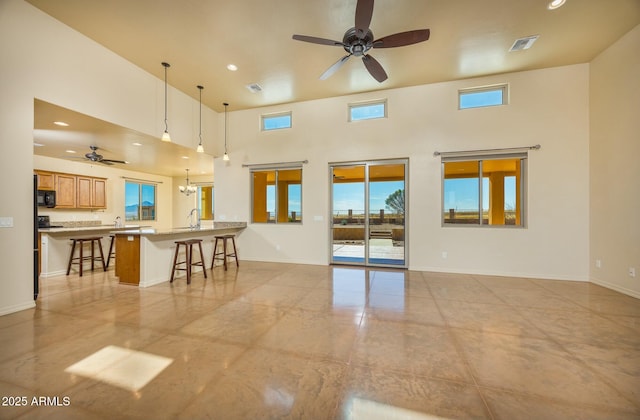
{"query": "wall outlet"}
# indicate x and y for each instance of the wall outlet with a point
(598, 263)
(632, 272)
(445, 254)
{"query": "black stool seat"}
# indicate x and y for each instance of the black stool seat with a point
(226, 253)
(188, 261)
(81, 258)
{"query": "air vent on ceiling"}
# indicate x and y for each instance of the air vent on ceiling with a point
(254, 88)
(523, 43)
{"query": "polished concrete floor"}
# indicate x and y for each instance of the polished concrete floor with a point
(271, 341)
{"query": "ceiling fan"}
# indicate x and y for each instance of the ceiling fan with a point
(95, 157)
(359, 40)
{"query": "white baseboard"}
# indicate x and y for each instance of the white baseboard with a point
(629, 292)
(17, 308)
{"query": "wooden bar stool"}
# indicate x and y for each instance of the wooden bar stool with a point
(112, 251)
(225, 250)
(82, 258)
(188, 261)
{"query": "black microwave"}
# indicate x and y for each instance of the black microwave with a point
(46, 198)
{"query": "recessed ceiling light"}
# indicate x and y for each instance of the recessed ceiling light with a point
(137, 144)
(185, 157)
(232, 67)
(38, 145)
(61, 123)
(70, 151)
(555, 4)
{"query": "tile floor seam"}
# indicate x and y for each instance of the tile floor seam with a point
(462, 355)
(576, 358)
(558, 400)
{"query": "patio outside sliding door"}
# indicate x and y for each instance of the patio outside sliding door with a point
(368, 213)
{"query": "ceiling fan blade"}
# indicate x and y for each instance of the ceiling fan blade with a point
(316, 40)
(375, 68)
(401, 39)
(112, 161)
(334, 67)
(364, 12)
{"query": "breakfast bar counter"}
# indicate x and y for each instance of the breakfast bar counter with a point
(144, 256)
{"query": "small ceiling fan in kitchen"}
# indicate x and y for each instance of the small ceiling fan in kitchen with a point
(357, 41)
(95, 157)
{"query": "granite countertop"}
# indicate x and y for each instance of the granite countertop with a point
(72, 229)
(217, 227)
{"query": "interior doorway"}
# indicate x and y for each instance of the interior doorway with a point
(368, 213)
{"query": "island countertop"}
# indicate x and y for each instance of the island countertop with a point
(86, 229)
(217, 227)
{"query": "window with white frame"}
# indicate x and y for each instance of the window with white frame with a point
(368, 110)
(275, 121)
(483, 96)
(484, 190)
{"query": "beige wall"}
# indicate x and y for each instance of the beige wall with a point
(614, 167)
(549, 107)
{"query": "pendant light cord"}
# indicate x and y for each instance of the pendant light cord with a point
(200, 133)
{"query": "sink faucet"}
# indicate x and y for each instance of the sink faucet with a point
(195, 225)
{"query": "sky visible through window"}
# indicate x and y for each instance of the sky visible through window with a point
(276, 122)
(367, 112)
(345, 196)
(480, 99)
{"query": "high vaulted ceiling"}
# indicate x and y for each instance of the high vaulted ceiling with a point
(469, 38)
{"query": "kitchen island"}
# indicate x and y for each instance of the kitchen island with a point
(55, 246)
(144, 257)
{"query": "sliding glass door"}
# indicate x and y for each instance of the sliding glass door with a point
(368, 213)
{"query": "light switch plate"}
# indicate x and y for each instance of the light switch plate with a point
(6, 222)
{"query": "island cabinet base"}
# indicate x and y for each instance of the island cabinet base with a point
(128, 259)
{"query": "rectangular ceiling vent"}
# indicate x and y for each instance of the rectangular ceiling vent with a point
(254, 88)
(523, 43)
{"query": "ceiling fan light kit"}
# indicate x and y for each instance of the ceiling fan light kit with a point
(357, 41)
(165, 136)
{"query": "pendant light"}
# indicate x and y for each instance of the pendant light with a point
(200, 148)
(226, 155)
(188, 189)
(165, 135)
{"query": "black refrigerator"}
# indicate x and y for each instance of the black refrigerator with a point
(36, 257)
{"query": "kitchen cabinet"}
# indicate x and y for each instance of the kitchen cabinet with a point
(65, 191)
(46, 180)
(74, 191)
(91, 192)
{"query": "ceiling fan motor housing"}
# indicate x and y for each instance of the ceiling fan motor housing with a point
(355, 45)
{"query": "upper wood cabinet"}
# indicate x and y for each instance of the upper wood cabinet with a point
(65, 191)
(91, 192)
(74, 191)
(46, 180)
